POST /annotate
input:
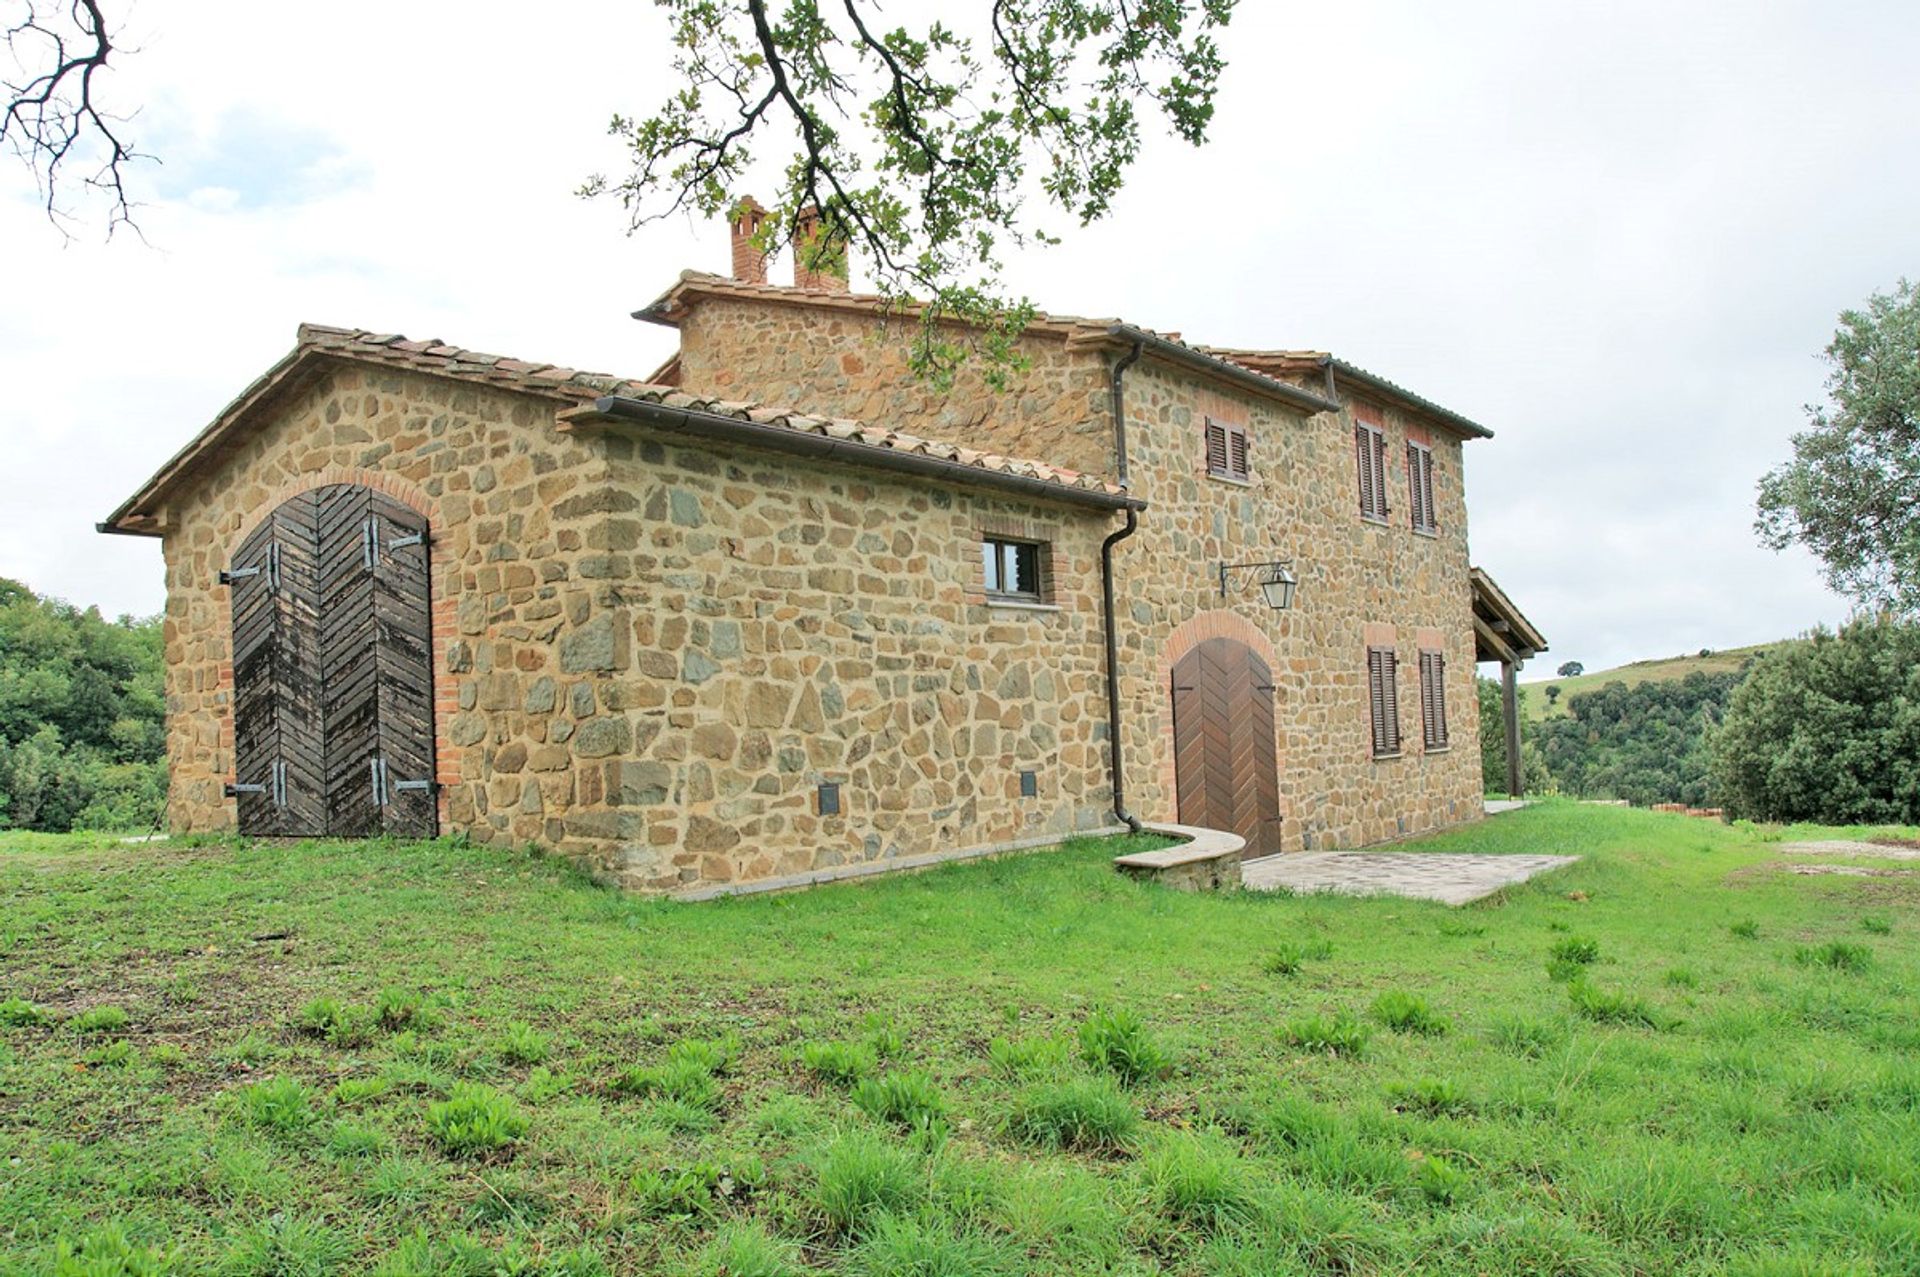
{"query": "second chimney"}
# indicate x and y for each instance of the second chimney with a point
(819, 256)
(749, 258)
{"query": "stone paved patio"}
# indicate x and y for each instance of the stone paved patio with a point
(1450, 878)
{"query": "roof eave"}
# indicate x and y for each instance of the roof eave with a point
(1394, 390)
(708, 425)
(1225, 369)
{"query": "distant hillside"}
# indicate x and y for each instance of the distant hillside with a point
(1713, 661)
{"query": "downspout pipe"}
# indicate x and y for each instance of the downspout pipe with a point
(1115, 757)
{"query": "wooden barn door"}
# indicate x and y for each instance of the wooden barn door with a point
(1225, 767)
(348, 580)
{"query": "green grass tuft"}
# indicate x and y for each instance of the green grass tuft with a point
(859, 1176)
(1114, 1039)
(1836, 955)
(476, 1119)
(104, 1019)
(1338, 1034)
(1085, 1114)
(841, 1063)
(1289, 957)
(904, 1099)
(279, 1105)
(1405, 1012)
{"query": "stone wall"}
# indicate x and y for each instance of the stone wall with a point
(503, 495)
(649, 655)
(1362, 583)
(777, 624)
(824, 360)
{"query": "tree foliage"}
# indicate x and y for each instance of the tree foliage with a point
(1571, 669)
(1645, 742)
(1827, 730)
(82, 716)
(920, 145)
(1851, 493)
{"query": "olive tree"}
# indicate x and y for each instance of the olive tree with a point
(1851, 493)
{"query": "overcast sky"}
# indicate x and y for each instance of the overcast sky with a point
(1617, 234)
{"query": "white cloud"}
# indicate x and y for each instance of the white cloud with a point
(1617, 234)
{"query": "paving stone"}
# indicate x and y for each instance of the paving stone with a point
(1454, 879)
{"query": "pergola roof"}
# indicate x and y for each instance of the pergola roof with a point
(1501, 631)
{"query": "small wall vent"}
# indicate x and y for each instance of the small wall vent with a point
(829, 798)
(1029, 784)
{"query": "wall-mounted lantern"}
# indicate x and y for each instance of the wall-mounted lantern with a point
(1276, 580)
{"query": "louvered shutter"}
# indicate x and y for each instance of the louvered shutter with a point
(1380, 472)
(1426, 488)
(1439, 699)
(1416, 507)
(1217, 452)
(1383, 700)
(1391, 694)
(1237, 461)
(1363, 465)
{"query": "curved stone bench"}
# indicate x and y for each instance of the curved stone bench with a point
(1208, 859)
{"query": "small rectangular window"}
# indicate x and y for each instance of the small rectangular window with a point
(1420, 487)
(1228, 451)
(1370, 460)
(1383, 700)
(1012, 569)
(1433, 699)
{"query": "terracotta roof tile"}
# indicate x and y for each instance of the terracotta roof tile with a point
(440, 359)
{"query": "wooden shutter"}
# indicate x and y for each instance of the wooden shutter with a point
(1420, 486)
(1237, 461)
(1370, 457)
(1415, 508)
(1218, 458)
(1383, 700)
(1433, 699)
(1363, 465)
(1379, 471)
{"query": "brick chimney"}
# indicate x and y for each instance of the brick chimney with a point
(749, 259)
(819, 258)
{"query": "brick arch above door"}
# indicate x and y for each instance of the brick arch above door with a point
(1189, 634)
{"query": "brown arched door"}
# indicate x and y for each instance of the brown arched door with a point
(333, 669)
(1225, 766)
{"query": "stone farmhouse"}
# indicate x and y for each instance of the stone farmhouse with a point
(781, 612)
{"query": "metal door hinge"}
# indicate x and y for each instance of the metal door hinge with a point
(370, 542)
(275, 784)
(384, 786)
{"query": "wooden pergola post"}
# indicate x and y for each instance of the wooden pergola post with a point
(1501, 633)
(1510, 698)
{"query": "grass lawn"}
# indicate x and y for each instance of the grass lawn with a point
(1673, 1057)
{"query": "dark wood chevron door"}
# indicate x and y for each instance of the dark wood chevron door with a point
(333, 669)
(1226, 768)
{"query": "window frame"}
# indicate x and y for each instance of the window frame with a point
(996, 547)
(1236, 463)
(1420, 488)
(1383, 701)
(1434, 735)
(1370, 466)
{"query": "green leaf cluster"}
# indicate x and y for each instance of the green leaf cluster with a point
(82, 717)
